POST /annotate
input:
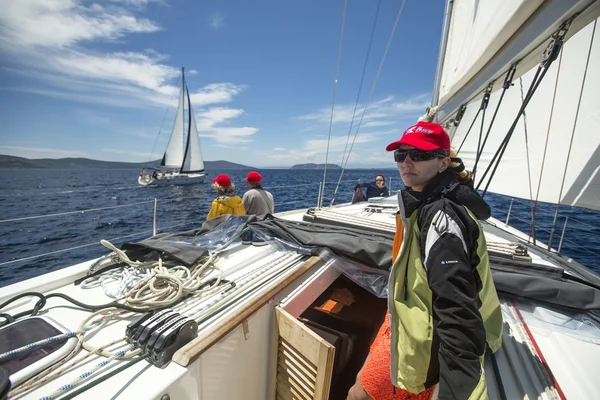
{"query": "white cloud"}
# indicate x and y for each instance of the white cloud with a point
(38, 152)
(279, 149)
(379, 113)
(216, 20)
(315, 149)
(60, 23)
(212, 123)
(50, 39)
(215, 93)
(93, 117)
(137, 3)
(388, 113)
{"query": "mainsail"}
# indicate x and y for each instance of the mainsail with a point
(174, 153)
(554, 152)
(193, 161)
(184, 155)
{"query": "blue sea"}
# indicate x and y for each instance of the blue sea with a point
(30, 193)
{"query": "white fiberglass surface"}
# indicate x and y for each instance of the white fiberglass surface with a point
(570, 344)
(142, 380)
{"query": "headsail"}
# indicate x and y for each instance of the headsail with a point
(550, 141)
(174, 153)
(192, 161)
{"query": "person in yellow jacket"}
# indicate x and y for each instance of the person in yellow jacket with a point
(225, 203)
(443, 309)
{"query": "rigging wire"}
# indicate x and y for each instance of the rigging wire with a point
(362, 78)
(562, 184)
(493, 165)
(76, 212)
(373, 87)
(532, 227)
(537, 195)
(335, 82)
(551, 53)
(505, 86)
(468, 131)
(484, 103)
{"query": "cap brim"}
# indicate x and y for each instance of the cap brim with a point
(409, 140)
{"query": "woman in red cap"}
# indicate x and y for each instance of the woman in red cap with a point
(225, 203)
(443, 310)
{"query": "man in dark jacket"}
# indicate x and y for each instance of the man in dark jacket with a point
(377, 189)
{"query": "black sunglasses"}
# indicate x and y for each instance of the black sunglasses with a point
(418, 155)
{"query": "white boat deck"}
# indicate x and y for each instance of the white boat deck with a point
(237, 366)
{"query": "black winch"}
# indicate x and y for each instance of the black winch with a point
(160, 334)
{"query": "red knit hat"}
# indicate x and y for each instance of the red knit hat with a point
(253, 177)
(222, 180)
(423, 136)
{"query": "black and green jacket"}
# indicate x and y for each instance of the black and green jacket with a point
(442, 301)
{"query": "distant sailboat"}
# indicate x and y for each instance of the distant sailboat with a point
(182, 163)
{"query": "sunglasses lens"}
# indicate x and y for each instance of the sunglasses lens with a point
(400, 156)
(416, 155)
(422, 156)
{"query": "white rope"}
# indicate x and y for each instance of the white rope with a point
(84, 376)
(53, 372)
(152, 284)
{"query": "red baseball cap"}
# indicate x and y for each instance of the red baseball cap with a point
(253, 177)
(423, 136)
(222, 180)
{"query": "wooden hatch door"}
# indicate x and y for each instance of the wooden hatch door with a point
(304, 361)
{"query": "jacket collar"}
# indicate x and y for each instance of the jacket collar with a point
(446, 186)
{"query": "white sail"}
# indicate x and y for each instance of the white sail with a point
(582, 176)
(485, 38)
(193, 161)
(173, 157)
(477, 30)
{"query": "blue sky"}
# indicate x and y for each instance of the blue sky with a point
(94, 79)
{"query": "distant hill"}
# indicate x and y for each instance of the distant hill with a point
(72, 163)
(315, 166)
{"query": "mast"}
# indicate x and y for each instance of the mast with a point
(442, 54)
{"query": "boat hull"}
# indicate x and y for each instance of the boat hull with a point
(173, 179)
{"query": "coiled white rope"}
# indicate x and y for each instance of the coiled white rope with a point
(154, 284)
